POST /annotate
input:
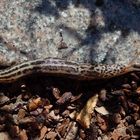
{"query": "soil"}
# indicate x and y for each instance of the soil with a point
(39, 108)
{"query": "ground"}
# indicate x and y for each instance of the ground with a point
(91, 31)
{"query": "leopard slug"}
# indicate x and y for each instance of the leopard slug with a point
(59, 67)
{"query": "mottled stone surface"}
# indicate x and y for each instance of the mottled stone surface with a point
(97, 31)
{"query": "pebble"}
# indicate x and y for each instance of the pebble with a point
(102, 95)
(134, 85)
(126, 86)
(138, 123)
(128, 119)
(117, 118)
(136, 116)
(3, 99)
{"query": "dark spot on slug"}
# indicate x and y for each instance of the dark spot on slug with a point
(38, 62)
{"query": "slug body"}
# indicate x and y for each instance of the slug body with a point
(59, 67)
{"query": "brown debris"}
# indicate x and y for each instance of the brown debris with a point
(43, 132)
(102, 95)
(72, 131)
(56, 93)
(23, 135)
(66, 97)
(35, 103)
(3, 99)
(5, 136)
(133, 106)
(138, 90)
(27, 120)
(21, 113)
(7, 108)
(62, 128)
(102, 110)
(51, 135)
(2, 127)
(14, 131)
(53, 115)
(138, 123)
(117, 118)
(102, 123)
(62, 45)
(84, 117)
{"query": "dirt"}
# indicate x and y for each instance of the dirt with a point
(40, 107)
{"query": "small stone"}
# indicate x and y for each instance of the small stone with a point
(27, 120)
(66, 113)
(102, 95)
(53, 116)
(136, 116)
(3, 99)
(23, 135)
(138, 123)
(102, 123)
(64, 14)
(121, 111)
(126, 86)
(138, 90)
(2, 127)
(66, 97)
(7, 108)
(117, 118)
(133, 106)
(14, 131)
(4, 136)
(102, 110)
(43, 132)
(134, 85)
(82, 134)
(56, 93)
(51, 135)
(128, 119)
(26, 96)
(73, 115)
(21, 113)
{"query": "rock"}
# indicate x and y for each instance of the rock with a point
(138, 123)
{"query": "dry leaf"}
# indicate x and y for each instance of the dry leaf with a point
(84, 117)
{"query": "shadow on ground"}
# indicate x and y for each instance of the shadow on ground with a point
(122, 15)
